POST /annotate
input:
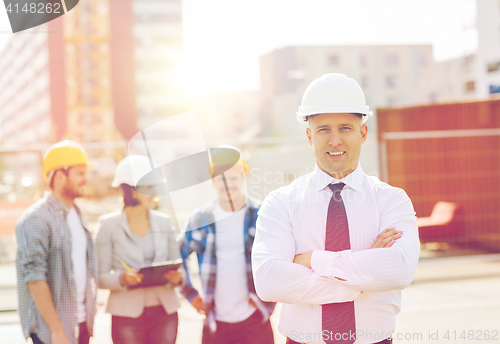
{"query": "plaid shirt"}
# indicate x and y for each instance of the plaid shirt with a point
(199, 237)
(44, 254)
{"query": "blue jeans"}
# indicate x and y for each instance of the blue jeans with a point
(153, 326)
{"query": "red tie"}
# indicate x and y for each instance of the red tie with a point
(338, 318)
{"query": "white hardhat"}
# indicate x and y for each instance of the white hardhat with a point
(132, 169)
(333, 93)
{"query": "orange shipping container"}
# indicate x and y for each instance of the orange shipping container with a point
(447, 152)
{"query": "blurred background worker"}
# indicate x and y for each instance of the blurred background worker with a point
(221, 234)
(336, 246)
(135, 237)
(56, 260)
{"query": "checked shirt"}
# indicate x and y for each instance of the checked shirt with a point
(199, 237)
(44, 247)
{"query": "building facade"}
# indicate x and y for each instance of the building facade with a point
(120, 58)
(157, 34)
(488, 50)
(455, 79)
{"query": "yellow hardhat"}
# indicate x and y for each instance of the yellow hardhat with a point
(226, 155)
(64, 154)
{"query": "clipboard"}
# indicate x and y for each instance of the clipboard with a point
(153, 275)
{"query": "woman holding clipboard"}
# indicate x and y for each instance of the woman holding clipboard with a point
(128, 240)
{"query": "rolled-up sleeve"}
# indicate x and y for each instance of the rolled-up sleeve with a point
(33, 240)
(187, 290)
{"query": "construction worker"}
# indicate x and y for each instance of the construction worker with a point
(336, 246)
(134, 237)
(221, 234)
(56, 259)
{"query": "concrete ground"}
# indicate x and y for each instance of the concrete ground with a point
(452, 300)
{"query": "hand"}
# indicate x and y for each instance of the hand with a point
(303, 259)
(173, 276)
(131, 278)
(59, 338)
(198, 304)
(386, 238)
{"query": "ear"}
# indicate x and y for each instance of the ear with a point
(59, 178)
(309, 136)
(364, 133)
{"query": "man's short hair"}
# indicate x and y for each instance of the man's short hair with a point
(53, 174)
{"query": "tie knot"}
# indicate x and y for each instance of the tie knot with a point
(336, 187)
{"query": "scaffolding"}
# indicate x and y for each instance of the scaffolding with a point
(90, 115)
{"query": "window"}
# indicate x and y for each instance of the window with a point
(493, 67)
(392, 101)
(364, 82)
(333, 60)
(362, 60)
(391, 81)
(295, 74)
(392, 60)
(158, 18)
(422, 60)
(494, 89)
(470, 86)
(432, 97)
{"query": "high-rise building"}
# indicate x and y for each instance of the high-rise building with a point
(32, 84)
(157, 33)
(106, 65)
(32, 97)
(455, 79)
(488, 50)
(389, 75)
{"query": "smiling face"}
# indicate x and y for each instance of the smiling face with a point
(336, 139)
(235, 178)
(74, 181)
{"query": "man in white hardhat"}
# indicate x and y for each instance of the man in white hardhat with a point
(336, 246)
(56, 259)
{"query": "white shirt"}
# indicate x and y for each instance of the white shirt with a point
(79, 257)
(231, 286)
(292, 220)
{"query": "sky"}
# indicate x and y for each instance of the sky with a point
(223, 39)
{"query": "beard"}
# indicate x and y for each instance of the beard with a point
(72, 191)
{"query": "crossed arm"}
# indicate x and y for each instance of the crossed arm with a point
(319, 277)
(384, 239)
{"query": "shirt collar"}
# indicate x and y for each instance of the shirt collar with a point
(59, 206)
(354, 179)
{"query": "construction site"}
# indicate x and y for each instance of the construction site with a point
(106, 75)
